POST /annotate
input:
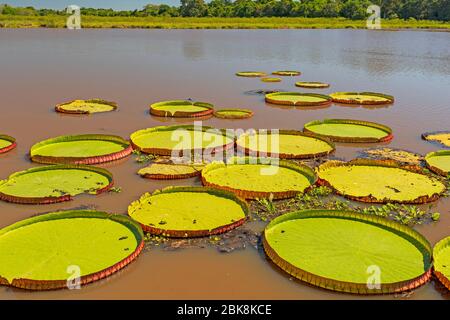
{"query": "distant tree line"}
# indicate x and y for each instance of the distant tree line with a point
(352, 9)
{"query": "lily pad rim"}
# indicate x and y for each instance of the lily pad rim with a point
(426, 134)
(209, 109)
(9, 139)
(127, 150)
(307, 84)
(375, 125)
(438, 248)
(70, 214)
(163, 176)
(357, 288)
(390, 99)
(249, 113)
(193, 233)
(436, 154)
(287, 73)
(271, 98)
(251, 74)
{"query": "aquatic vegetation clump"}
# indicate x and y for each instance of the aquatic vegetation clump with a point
(189, 211)
(380, 181)
(86, 106)
(299, 99)
(287, 73)
(257, 178)
(340, 250)
(402, 156)
(181, 140)
(441, 138)
(439, 162)
(346, 130)
(41, 252)
(170, 171)
(441, 257)
(233, 113)
(7, 143)
(284, 144)
(181, 109)
(251, 74)
(312, 85)
(362, 98)
(57, 183)
(81, 149)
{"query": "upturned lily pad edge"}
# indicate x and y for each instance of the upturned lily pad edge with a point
(209, 109)
(248, 113)
(440, 246)
(435, 169)
(389, 99)
(41, 285)
(11, 146)
(349, 287)
(193, 233)
(128, 149)
(436, 142)
(60, 107)
(271, 98)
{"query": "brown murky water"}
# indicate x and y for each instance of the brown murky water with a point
(39, 68)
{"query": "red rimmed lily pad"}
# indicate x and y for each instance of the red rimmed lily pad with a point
(42, 252)
(441, 257)
(7, 143)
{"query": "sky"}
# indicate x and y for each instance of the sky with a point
(61, 4)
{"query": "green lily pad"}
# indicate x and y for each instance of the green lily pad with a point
(379, 181)
(165, 171)
(440, 137)
(362, 98)
(233, 113)
(298, 99)
(181, 109)
(81, 149)
(287, 73)
(86, 106)
(345, 130)
(169, 140)
(54, 183)
(42, 252)
(285, 144)
(441, 257)
(399, 155)
(251, 74)
(269, 79)
(346, 251)
(252, 178)
(439, 162)
(188, 211)
(7, 143)
(312, 85)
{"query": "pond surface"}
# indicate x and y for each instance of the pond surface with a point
(40, 68)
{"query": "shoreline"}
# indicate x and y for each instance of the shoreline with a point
(95, 22)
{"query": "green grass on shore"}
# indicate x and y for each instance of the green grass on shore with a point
(10, 21)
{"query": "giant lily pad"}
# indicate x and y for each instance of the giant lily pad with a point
(441, 257)
(379, 181)
(270, 79)
(251, 74)
(439, 162)
(43, 252)
(311, 84)
(362, 98)
(86, 106)
(188, 211)
(81, 149)
(344, 130)
(284, 144)
(440, 137)
(181, 109)
(298, 99)
(233, 113)
(287, 73)
(166, 171)
(169, 140)
(7, 143)
(50, 184)
(252, 178)
(347, 251)
(402, 156)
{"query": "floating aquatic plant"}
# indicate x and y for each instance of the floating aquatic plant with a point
(170, 171)
(7, 143)
(345, 130)
(340, 250)
(362, 98)
(439, 162)
(287, 73)
(251, 74)
(299, 99)
(86, 106)
(181, 109)
(441, 138)
(81, 149)
(57, 183)
(188, 211)
(312, 85)
(441, 257)
(40, 253)
(233, 113)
